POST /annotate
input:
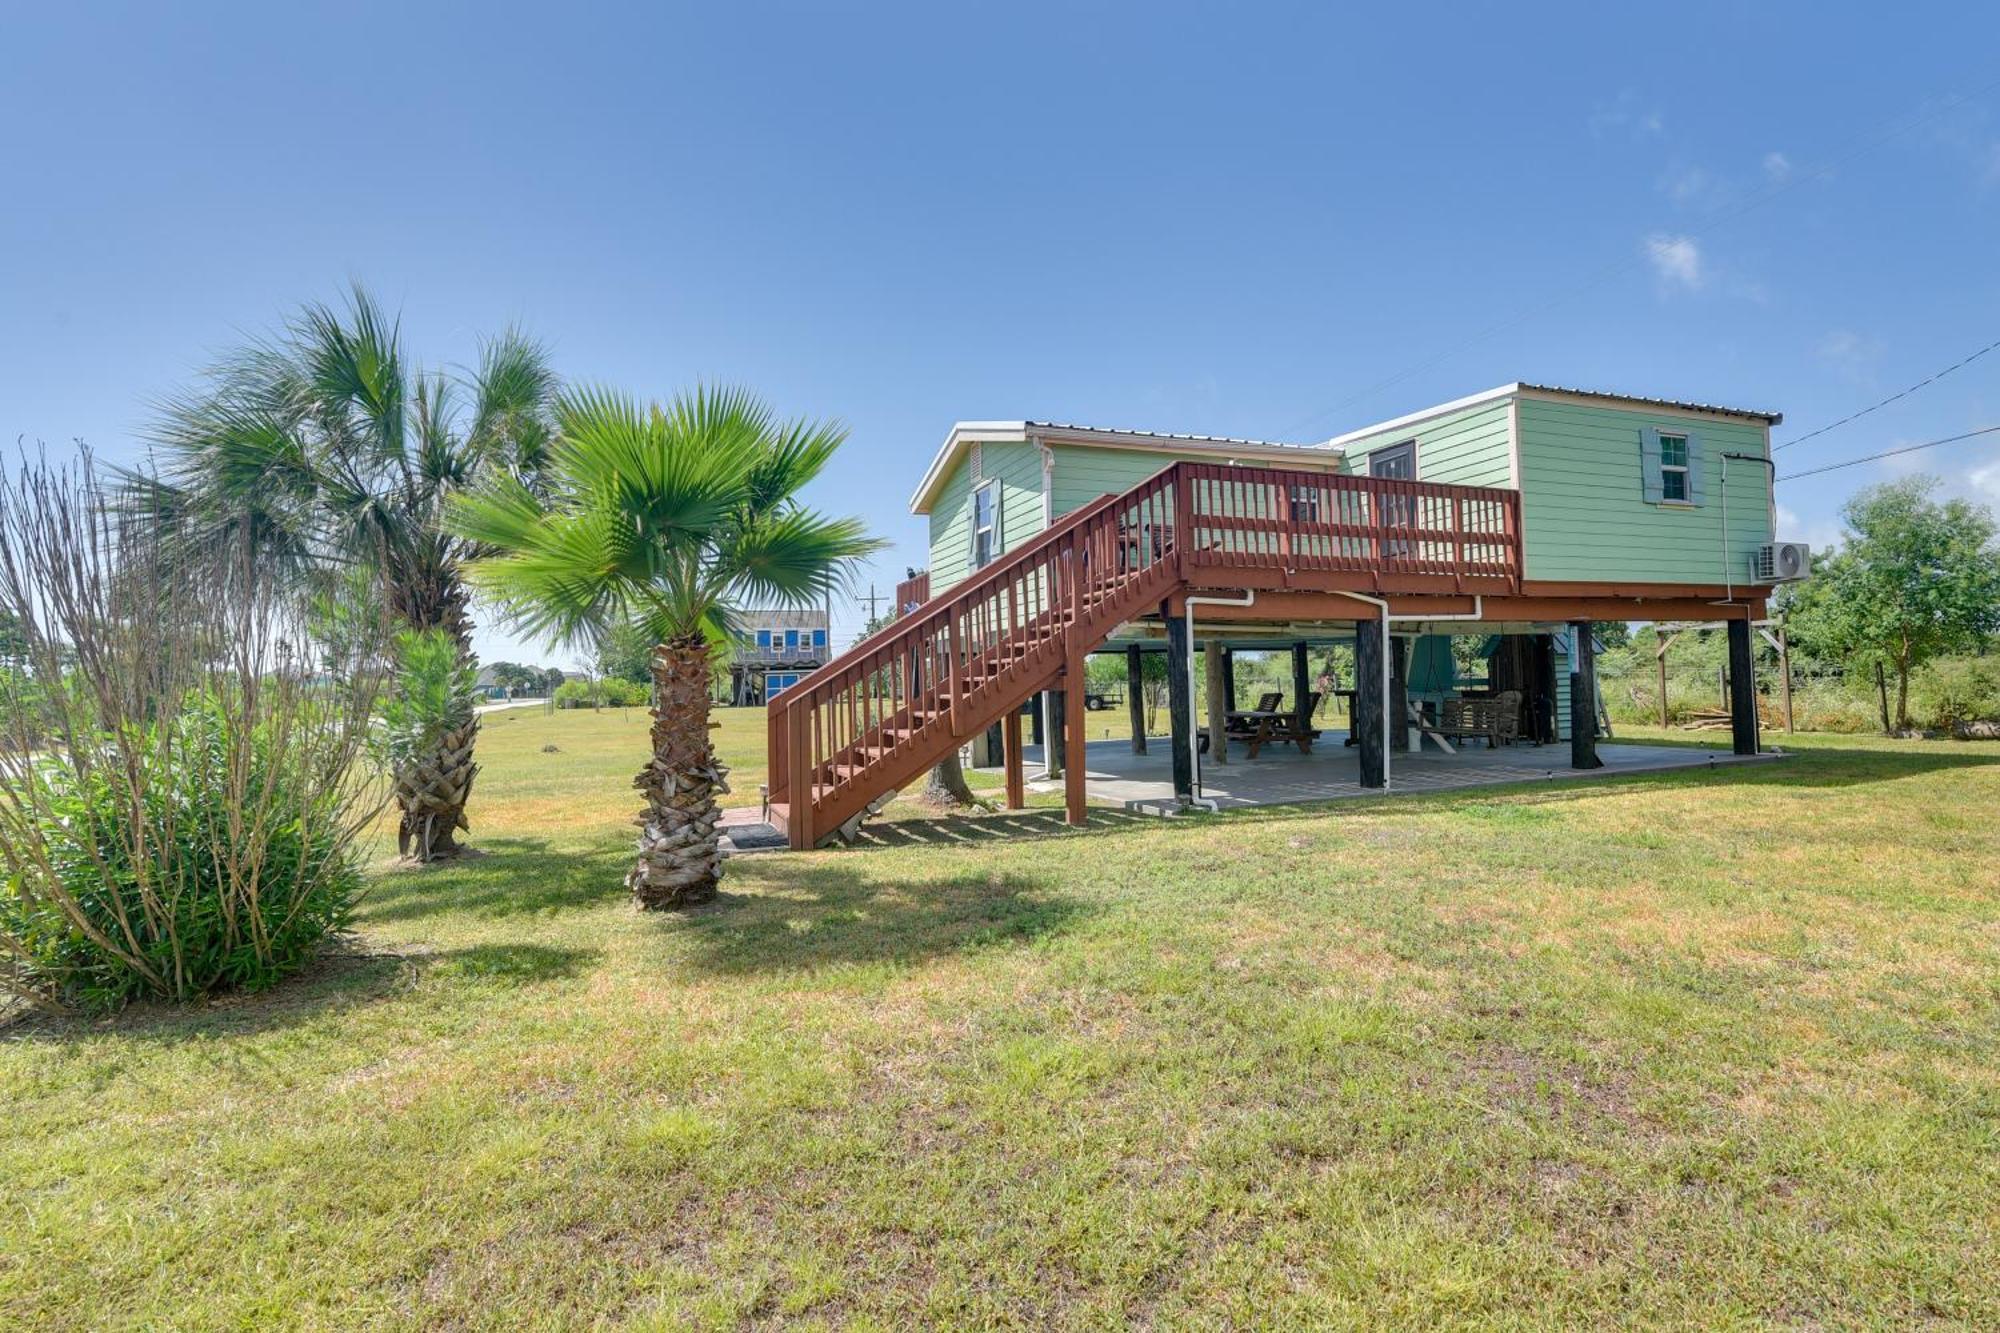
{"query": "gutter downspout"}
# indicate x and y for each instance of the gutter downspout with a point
(1249, 598)
(1381, 606)
(1478, 612)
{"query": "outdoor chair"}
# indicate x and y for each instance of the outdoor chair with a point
(1242, 723)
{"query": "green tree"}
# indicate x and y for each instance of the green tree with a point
(332, 457)
(672, 519)
(13, 640)
(1913, 579)
(625, 653)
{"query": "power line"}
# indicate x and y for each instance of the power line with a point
(1891, 453)
(1789, 183)
(1890, 399)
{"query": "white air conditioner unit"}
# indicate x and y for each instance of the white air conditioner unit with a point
(1781, 562)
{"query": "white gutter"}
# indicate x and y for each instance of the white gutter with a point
(1382, 609)
(1249, 598)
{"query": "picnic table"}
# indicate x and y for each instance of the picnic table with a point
(1259, 727)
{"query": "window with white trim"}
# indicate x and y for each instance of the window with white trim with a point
(1674, 469)
(985, 523)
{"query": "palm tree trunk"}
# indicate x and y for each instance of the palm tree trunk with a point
(432, 794)
(679, 853)
(947, 786)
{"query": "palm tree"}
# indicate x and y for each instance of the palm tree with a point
(672, 521)
(333, 458)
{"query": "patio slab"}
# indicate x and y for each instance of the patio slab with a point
(1144, 783)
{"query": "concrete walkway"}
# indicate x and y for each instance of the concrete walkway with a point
(1144, 783)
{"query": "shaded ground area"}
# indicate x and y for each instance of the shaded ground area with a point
(1691, 1049)
(1281, 775)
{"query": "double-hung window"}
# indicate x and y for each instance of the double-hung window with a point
(1670, 464)
(985, 524)
(1674, 469)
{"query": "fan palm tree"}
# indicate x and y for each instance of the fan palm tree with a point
(670, 520)
(333, 458)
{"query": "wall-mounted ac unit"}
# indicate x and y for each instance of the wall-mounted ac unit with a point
(1781, 562)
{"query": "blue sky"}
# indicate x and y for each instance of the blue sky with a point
(1266, 221)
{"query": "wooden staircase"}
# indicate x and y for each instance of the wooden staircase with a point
(846, 738)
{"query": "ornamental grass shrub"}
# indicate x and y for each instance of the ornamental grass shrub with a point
(178, 812)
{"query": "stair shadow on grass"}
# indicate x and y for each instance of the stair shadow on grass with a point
(993, 828)
(504, 877)
(789, 914)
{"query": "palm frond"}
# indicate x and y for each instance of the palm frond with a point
(511, 392)
(793, 558)
(795, 455)
(354, 367)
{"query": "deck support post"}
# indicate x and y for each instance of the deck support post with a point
(1366, 723)
(1135, 695)
(1055, 747)
(1180, 705)
(1785, 675)
(1010, 759)
(1742, 689)
(1399, 694)
(1215, 666)
(1301, 687)
(1582, 697)
(1228, 680)
(1661, 642)
(1073, 744)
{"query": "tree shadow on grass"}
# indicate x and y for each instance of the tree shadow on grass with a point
(509, 877)
(340, 978)
(782, 914)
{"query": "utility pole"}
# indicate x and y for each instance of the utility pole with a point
(873, 598)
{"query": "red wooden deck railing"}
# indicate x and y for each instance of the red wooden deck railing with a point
(889, 707)
(913, 592)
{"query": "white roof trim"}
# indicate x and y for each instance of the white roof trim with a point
(1556, 393)
(966, 433)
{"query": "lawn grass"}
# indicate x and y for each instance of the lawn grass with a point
(1698, 1049)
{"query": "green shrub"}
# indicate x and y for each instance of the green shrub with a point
(178, 787)
(175, 892)
(1953, 690)
(610, 692)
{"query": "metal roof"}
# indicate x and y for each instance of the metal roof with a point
(1168, 435)
(968, 432)
(1769, 418)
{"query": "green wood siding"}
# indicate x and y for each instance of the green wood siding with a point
(951, 529)
(1017, 467)
(1583, 508)
(1083, 473)
(1465, 448)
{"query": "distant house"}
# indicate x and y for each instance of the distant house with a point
(773, 651)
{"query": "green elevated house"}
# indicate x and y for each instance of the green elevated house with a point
(1521, 516)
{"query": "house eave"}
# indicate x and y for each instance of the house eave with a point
(966, 433)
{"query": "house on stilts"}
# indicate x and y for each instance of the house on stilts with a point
(1523, 515)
